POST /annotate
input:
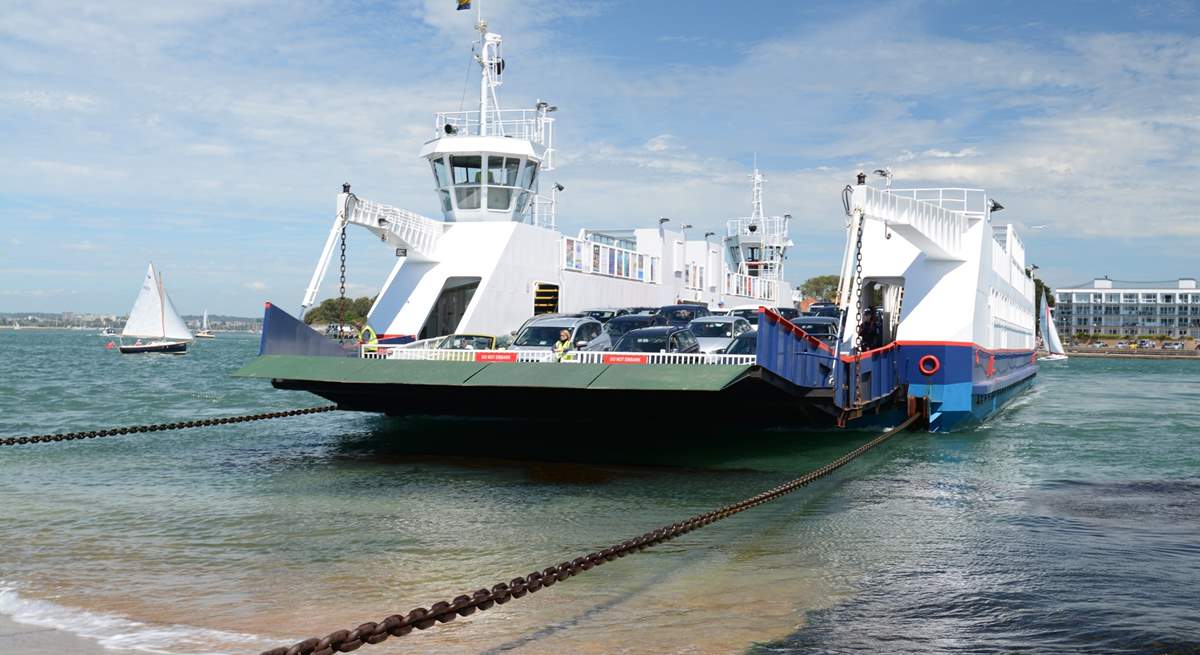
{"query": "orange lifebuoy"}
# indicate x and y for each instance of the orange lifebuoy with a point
(929, 365)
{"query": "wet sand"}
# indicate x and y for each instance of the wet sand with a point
(24, 638)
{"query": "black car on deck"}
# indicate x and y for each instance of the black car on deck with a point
(745, 343)
(667, 338)
(616, 327)
(681, 315)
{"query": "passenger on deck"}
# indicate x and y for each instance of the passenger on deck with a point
(871, 330)
(562, 345)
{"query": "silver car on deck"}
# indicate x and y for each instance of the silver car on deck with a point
(715, 333)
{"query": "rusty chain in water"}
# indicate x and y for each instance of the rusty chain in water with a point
(398, 625)
(159, 427)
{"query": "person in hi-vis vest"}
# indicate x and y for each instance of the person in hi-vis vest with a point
(563, 344)
(368, 339)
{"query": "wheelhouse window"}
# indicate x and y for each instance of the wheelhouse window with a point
(467, 174)
(502, 181)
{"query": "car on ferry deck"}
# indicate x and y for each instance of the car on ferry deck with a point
(661, 339)
(680, 315)
(823, 309)
(604, 315)
(467, 342)
(715, 333)
(822, 327)
(616, 328)
(745, 343)
(541, 333)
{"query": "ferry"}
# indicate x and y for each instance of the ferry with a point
(935, 307)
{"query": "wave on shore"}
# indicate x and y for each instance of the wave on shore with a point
(117, 632)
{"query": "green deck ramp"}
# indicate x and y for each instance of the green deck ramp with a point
(662, 377)
(355, 370)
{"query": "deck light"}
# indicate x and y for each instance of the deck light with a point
(663, 219)
(559, 187)
(993, 205)
(450, 129)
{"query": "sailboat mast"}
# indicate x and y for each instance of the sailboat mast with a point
(162, 306)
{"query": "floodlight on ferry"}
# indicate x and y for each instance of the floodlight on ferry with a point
(559, 187)
(886, 174)
(450, 129)
(663, 219)
(993, 205)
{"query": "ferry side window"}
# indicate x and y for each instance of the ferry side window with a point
(439, 173)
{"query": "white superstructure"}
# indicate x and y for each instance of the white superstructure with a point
(939, 267)
(495, 257)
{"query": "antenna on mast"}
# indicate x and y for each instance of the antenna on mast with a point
(491, 76)
(756, 192)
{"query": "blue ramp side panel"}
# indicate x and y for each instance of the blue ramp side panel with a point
(877, 373)
(284, 334)
(793, 354)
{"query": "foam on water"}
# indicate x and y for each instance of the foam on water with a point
(117, 632)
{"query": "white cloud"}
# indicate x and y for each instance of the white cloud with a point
(255, 285)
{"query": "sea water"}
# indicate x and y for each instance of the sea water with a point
(1068, 523)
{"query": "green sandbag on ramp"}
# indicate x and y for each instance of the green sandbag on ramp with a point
(355, 370)
(542, 374)
(668, 377)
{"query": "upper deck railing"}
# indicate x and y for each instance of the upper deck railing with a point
(972, 202)
(529, 124)
(750, 286)
(773, 231)
(922, 216)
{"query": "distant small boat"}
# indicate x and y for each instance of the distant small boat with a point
(204, 332)
(1051, 342)
(154, 319)
(16, 325)
(107, 332)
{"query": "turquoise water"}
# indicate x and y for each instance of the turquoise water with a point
(1067, 524)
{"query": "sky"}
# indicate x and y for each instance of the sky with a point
(213, 137)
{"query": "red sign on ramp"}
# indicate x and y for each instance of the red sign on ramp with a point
(625, 359)
(496, 357)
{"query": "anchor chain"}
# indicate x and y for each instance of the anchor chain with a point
(398, 625)
(342, 287)
(160, 427)
(858, 316)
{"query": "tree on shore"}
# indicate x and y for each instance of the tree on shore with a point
(821, 287)
(330, 311)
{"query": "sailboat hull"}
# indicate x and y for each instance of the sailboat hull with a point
(175, 348)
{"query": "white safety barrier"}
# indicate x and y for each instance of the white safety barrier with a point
(572, 357)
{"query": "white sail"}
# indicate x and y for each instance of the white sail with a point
(145, 319)
(204, 321)
(1050, 338)
(153, 316)
(173, 325)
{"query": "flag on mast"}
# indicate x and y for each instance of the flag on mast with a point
(463, 4)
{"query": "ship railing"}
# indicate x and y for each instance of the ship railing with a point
(613, 358)
(751, 286)
(571, 357)
(772, 230)
(418, 233)
(599, 259)
(972, 202)
(529, 124)
(930, 226)
(439, 355)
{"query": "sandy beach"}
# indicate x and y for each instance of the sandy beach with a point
(24, 638)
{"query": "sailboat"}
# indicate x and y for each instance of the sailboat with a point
(153, 321)
(204, 332)
(1050, 340)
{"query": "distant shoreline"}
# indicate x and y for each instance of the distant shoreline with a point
(1176, 354)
